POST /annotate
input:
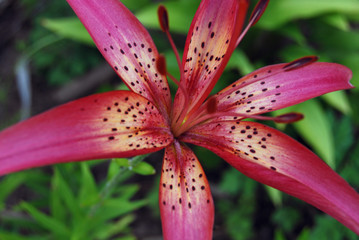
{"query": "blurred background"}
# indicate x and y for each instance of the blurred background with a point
(47, 58)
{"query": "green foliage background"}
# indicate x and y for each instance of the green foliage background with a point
(68, 201)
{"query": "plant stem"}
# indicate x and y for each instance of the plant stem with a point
(110, 185)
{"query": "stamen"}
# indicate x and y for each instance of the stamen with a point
(301, 62)
(161, 65)
(211, 105)
(285, 118)
(163, 18)
(258, 11)
(164, 22)
(254, 18)
(289, 118)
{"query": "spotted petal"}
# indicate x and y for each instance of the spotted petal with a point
(275, 87)
(127, 46)
(187, 210)
(211, 40)
(112, 124)
(277, 160)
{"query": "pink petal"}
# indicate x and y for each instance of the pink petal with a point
(127, 47)
(211, 40)
(277, 160)
(275, 87)
(187, 210)
(107, 125)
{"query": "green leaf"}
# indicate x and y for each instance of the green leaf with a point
(127, 191)
(88, 191)
(293, 31)
(16, 236)
(316, 130)
(109, 230)
(140, 168)
(68, 197)
(240, 61)
(231, 182)
(351, 60)
(304, 234)
(122, 162)
(328, 228)
(57, 208)
(278, 235)
(275, 195)
(338, 100)
(280, 12)
(291, 217)
(343, 138)
(144, 168)
(115, 207)
(337, 20)
(70, 27)
(10, 183)
(45, 221)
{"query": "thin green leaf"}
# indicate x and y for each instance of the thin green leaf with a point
(10, 183)
(108, 189)
(57, 208)
(45, 221)
(116, 207)
(109, 230)
(127, 191)
(88, 190)
(68, 197)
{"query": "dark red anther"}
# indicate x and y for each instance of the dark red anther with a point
(289, 118)
(163, 18)
(258, 11)
(211, 105)
(161, 65)
(301, 62)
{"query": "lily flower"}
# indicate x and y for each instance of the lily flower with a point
(145, 120)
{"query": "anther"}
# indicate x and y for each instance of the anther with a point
(289, 118)
(301, 62)
(161, 65)
(258, 11)
(254, 18)
(211, 105)
(163, 18)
